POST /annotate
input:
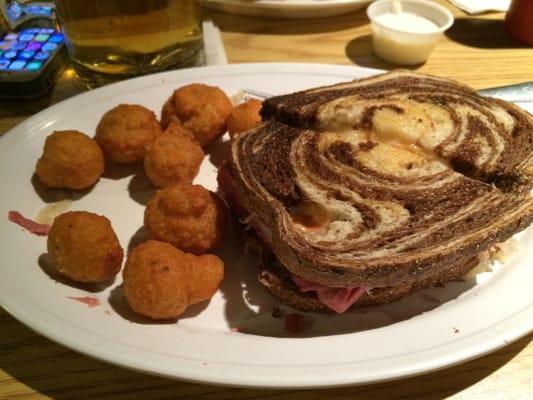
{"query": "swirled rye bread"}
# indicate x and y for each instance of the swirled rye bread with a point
(364, 191)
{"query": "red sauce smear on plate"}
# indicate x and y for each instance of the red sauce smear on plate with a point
(90, 301)
(32, 226)
(296, 323)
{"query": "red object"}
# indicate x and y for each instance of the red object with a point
(89, 301)
(32, 226)
(519, 20)
(338, 299)
(296, 323)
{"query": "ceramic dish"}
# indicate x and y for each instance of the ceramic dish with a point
(234, 339)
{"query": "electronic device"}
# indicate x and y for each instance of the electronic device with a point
(31, 57)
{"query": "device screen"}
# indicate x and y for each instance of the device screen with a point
(29, 49)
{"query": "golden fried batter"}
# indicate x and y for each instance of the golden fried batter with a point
(244, 117)
(70, 160)
(125, 131)
(202, 109)
(84, 247)
(188, 216)
(173, 157)
(160, 281)
(206, 272)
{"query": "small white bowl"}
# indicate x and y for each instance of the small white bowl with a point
(401, 46)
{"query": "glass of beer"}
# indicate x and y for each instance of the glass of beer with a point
(115, 39)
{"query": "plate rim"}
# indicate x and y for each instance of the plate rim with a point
(285, 9)
(281, 4)
(202, 375)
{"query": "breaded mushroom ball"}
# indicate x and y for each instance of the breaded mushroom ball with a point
(244, 117)
(160, 281)
(173, 157)
(70, 160)
(202, 109)
(84, 247)
(125, 131)
(188, 216)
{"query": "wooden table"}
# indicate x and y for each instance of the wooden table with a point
(475, 51)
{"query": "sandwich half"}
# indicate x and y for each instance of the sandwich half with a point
(362, 192)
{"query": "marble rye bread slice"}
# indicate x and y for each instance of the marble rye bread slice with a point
(345, 211)
(482, 137)
(386, 181)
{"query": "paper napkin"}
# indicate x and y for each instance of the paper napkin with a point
(481, 6)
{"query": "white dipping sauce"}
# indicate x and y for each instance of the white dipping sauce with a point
(407, 22)
(404, 38)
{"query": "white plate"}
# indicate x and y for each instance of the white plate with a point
(287, 8)
(466, 320)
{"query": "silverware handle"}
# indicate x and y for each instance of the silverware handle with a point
(517, 93)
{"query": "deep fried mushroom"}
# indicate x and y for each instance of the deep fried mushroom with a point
(84, 247)
(202, 109)
(70, 160)
(244, 117)
(125, 131)
(173, 157)
(188, 216)
(160, 281)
